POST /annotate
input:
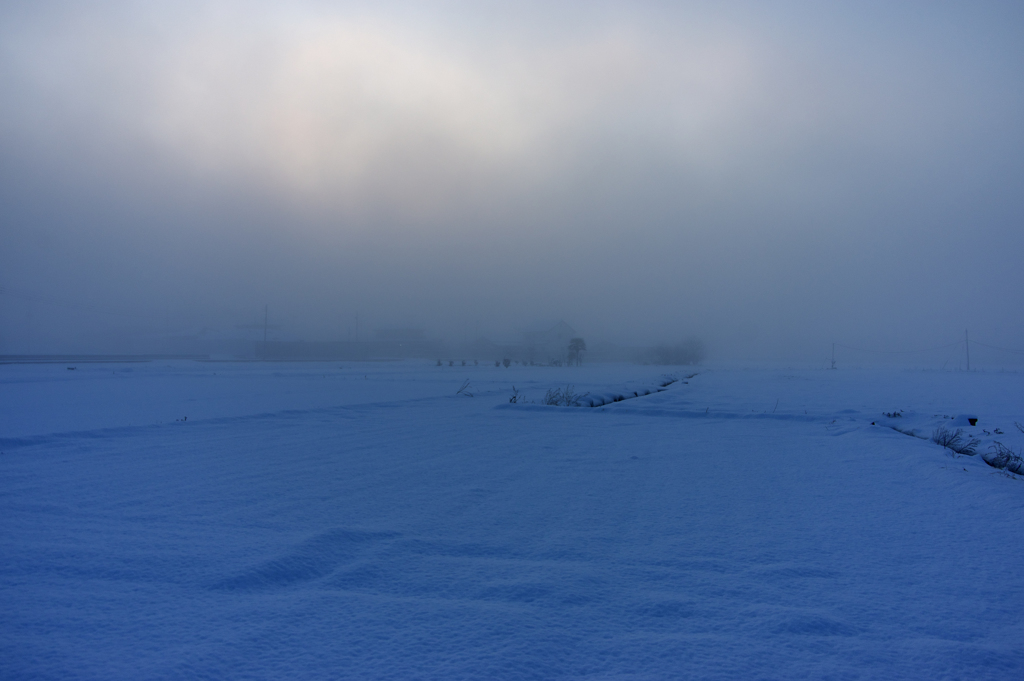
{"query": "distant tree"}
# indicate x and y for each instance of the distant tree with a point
(577, 346)
(506, 362)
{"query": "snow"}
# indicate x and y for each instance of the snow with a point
(361, 520)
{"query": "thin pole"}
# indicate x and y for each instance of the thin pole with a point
(967, 345)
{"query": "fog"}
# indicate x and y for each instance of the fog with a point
(770, 180)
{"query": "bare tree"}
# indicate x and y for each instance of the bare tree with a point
(577, 346)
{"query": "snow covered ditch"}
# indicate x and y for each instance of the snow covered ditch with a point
(372, 521)
(965, 435)
(961, 434)
(569, 396)
(610, 397)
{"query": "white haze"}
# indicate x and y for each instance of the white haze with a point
(770, 180)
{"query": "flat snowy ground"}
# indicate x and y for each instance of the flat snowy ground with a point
(364, 521)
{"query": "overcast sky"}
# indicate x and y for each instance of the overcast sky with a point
(771, 177)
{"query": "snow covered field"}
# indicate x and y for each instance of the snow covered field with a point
(316, 520)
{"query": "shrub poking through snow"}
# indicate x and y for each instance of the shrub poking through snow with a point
(1005, 458)
(563, 398)
(464, 390)
(955, 441)
(517, 397)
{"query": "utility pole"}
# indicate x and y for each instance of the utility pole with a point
(967, 346)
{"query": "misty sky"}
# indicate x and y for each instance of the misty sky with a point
(771, 179)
